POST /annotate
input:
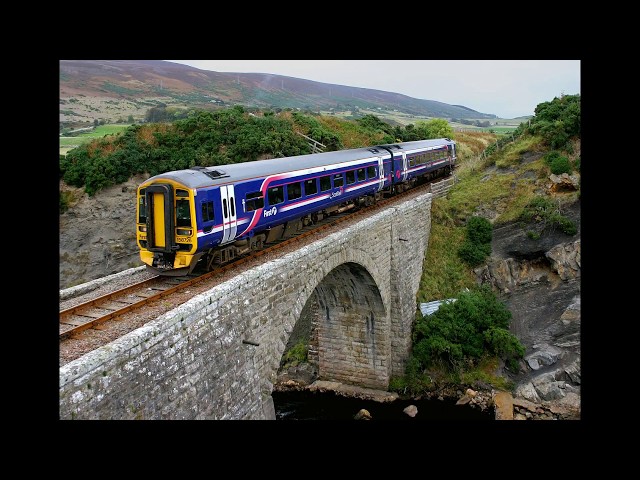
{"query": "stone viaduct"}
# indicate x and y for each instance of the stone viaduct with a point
(217, 356)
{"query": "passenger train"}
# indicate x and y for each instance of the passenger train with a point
(210, 215)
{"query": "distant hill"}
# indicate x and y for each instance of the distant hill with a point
(117, 89)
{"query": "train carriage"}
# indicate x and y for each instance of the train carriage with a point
(215, 214)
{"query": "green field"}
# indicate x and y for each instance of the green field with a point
(69, 143)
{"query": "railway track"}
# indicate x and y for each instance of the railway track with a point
(94, 313)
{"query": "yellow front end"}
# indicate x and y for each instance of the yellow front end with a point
(166, 227)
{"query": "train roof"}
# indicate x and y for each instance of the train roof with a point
(198, 177)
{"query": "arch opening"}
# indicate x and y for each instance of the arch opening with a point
(345, 330)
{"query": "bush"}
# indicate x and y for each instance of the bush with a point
(560, 165)
(296, 355)
(543, 210)
(477, 245)
(479, 230)
(463, 331)
(567, 225)
(474, 254)
(551, 156)
(558, 121)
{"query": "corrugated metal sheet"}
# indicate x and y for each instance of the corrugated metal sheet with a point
(430, 307)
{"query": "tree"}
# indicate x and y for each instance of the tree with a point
(436, 128)
(558, 121)
(157, 114)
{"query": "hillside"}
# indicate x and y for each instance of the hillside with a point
(113, 90)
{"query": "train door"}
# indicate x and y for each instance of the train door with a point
(159, 200)
(404, 167)
(380, 174)
(229, 219)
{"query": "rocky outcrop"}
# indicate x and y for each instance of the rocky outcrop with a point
(564, 182)
(565, 260)
(98, 234)
(539, 281)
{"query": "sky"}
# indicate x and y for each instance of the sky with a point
(506, 88)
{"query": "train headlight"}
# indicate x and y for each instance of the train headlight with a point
(183, 231)
(142, 228)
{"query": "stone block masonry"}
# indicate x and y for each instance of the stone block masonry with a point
(192, 363)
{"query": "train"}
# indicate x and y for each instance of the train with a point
(209, 216)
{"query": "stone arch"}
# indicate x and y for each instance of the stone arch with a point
(351, 327)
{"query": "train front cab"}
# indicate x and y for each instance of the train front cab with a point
(165, 229)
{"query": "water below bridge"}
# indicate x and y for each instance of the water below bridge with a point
(305, 405)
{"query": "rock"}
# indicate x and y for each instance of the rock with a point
(504, 405)
(566, 260)
(97, 234)
(546, 355)
(363, 414)
(564, 182)
(411, 410)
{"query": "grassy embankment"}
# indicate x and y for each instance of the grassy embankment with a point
(503, 183)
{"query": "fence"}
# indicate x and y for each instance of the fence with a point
(313, 144)
(441, 188)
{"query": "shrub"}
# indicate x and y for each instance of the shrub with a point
(567, 225)
(477, 245)
(461, 332)
(474, 254)
(543, 210)
(560, 165)
(295, 355)
(551, 156)
(479, 230)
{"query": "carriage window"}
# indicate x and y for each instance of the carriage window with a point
(338, 180)
(361, 175)
(225, 212)
(232, 205)
(325, 183)
(142, 208)
(351, 177)
(181, 193)
(207, 211)
(275, 195)
(310, 187)
(294, 190)
(254, 200)
(371, 172)
(183, 213)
